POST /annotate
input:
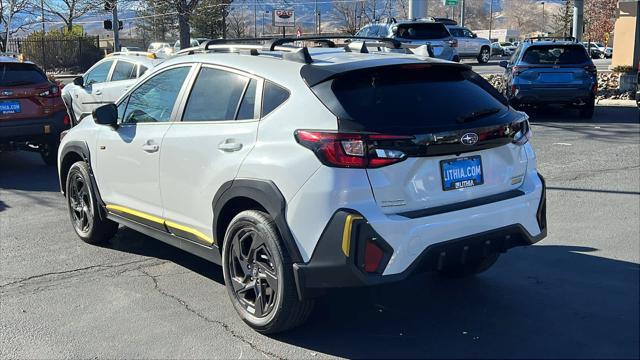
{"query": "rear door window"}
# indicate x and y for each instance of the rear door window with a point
(124, 70)
(215, 96)
(422, 31)
(411, 99)
(16, 74)
(555, 55)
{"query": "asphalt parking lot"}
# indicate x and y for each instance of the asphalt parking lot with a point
(575, 294)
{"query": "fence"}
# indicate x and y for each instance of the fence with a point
(70, 54)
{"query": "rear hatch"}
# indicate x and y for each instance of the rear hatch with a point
(556, 66)
(435, 134)
(435, 34)
(25, 92)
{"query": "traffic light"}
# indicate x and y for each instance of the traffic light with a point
(107, 24)
(109, 5)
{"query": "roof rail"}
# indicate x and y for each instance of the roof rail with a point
(550, 38)
(134, 53)
(287, 40)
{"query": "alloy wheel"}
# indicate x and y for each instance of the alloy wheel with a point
(80, 203)
(485, 55)
(253, 275)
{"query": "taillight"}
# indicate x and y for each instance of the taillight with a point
(373, 255)
(51, 92)
(453, 43)
(523, 134)
(66, 119)
(591, 69)
(353, 150)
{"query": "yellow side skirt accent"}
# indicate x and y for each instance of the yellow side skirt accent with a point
(346, 233)
(164, 222)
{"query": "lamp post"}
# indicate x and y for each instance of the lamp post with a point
(543, 18)
(263, 20)
(490, 18)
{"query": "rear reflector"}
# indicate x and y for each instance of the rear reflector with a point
(372, 256)
(66, 119)
(352, 150)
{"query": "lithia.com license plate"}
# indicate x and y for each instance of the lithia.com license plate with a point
(461, 172)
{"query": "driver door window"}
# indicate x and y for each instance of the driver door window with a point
(99, 73)
(154, 100)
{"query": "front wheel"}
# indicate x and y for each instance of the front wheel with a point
(258, 279)
(484, 56)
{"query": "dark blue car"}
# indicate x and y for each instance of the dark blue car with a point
(545, 71)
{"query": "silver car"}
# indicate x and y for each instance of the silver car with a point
(417, 32)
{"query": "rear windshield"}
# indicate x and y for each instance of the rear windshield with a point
(411, 99)
(15, 74)
(422, 31)
(555, 54)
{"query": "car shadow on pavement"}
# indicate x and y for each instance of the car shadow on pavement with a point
(538, 301)
(16, 166)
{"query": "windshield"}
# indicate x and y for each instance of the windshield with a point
(410, 99)
(506, 44)
(555, 55)
(16, 74)
(422, 31)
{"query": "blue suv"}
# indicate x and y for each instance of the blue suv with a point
(551, 71)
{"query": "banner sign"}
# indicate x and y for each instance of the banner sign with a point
(284, 17)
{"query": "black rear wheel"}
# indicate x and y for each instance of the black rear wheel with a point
(258, 277)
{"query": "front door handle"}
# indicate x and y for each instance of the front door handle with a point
(230, 145)
(98, 92)
(150, 146)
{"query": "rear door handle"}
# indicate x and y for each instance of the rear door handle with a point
(150, 146)
(230, 145)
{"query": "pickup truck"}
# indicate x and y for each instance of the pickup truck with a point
(470, 45)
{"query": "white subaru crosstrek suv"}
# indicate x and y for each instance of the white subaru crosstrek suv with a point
(301, 170)
(105, 82)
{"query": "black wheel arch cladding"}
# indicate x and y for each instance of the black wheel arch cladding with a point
(268, 196)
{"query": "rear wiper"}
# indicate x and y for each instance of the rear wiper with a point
(477, 115)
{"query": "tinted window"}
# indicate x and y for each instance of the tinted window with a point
(15, 74)
(456, 32)
(248, 105)
(364, 32)
(153, 101)
(408, 99)
(555, 54)
(99, 73)
(422, 31)
(272, 97)
(143, 69)
(124, 70)
(215, 96)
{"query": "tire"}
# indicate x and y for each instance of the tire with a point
(49, 153)
(256, 265)
(83, 207)
(586, 112)
(472, 268)
(484, 56)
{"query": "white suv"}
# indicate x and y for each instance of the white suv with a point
(105, 82)
(300, 170)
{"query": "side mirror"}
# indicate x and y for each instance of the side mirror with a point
(504, 63)
(78, 81)
(106, 115)
(474, 35)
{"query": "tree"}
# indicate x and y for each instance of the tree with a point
(8, 11)
(157, 20)
(237, 24)
(70, 10)
(599, 18)
(523, 15)
(210, 18)
(563, 19)
(348, 16)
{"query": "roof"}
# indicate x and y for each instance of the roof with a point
(142, 57)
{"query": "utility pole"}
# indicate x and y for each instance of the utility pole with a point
(44, 62)
(490, 18)
(543, 27)
(578, 19)
(462, 13)
(418, 8)
(315, 17)
(116, 27)
(255, 18)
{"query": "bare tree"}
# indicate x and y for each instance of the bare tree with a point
(237, 23)
(600, 15)
(8, 10)
(70, 10)
(562, 19)
(348, 16)
(522, 15)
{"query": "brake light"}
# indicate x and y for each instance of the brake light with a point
(51, 92)
(353, 150)
(519, 69)
(453, 43)
(372, 256)
(524, 133)
(591, 69)
(66, 120)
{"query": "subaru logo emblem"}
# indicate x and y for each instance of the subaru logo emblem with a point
(469, 138)
(6, 92)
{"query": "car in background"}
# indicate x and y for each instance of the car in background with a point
(594, 52)
(551, 72)
(193, 43)
(32, 114)
(155, 46)
(470, 45)
(503, 48)
(604, 51)
(417, 32)
(105, 82)
(130, 49)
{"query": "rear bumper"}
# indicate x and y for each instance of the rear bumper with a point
(33, 130)
(423, 244)
(552, 95)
